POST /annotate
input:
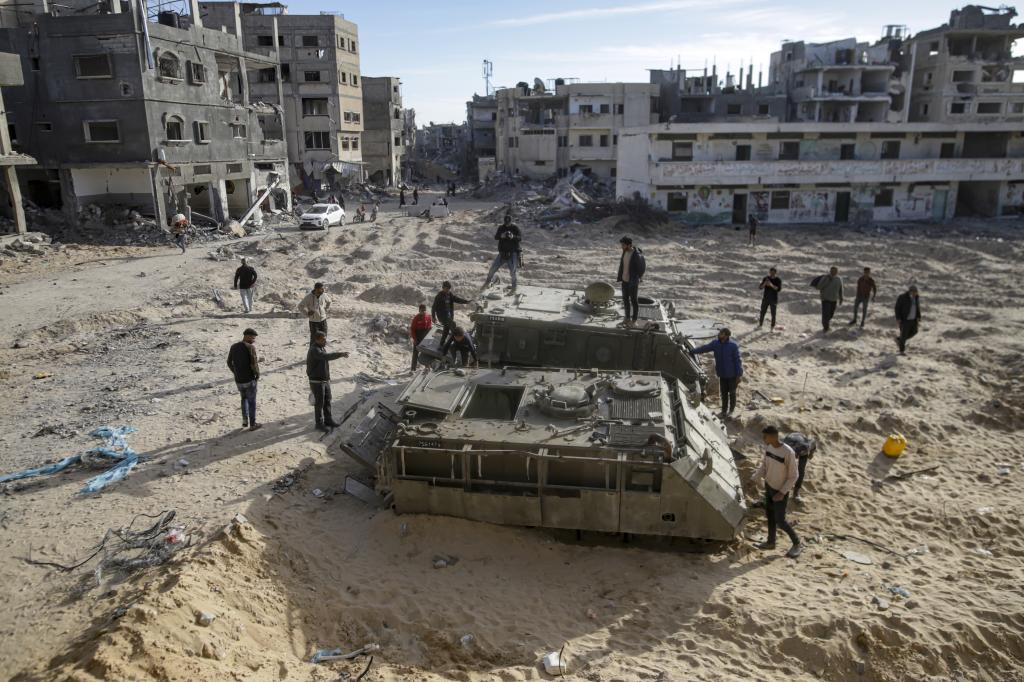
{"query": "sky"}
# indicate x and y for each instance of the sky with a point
(437, 48)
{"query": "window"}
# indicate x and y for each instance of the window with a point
(202, 134)
(175, 129)
(891, 149)
(924, 109)
(286, 72)
(789, 151)
(884, 198)
(12, 133)
(676, 201)
(682, 151)
(352, 46)
(398, 141)
(347, 116)
(196, 73)
(355, 81)
(605, 108)
(169, 66)
(762, 109)
(958, 108)
(357, 117)
(43, 126)
(202, 169)
(563, 140)
(620, 108)
(615, 140)
(615, 172)
(743, 152)
(342, 77)
(655, 104)
(1017, 107)
(311, 76)
(102, 131)
(928, 79)
(733, 109)
(355, 143)
(990, 107)
(963, 76)
(35, 64)
(344, 143)
(540, 163)
(93, 66)
(586, 108)
(933, 48)
(265, 41)
(586, 140)
(318, 140)
(948, 150)
(603, 140)
(234, 168)
(266, 75)
(238, 131)
(780, 200)
(513, 142)
(316, 106)
(847, 152)
(310, 41)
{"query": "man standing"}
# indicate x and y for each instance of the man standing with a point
(632, 267)
(179, 229)
(908, 314)
(415, 196)
(831, 288)
(244, 364)
(443, 309)
(865, 289)
(245, 278)
(751, 229)
(462, 344)
(771, 286)
(508, 237)
(418, 330)
(401, 197)
(779, 471)
(315, 306)
(318, 369)
(728, 367)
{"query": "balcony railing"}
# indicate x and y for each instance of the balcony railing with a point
(888, 170)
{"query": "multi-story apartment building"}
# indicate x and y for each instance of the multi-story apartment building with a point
(153, 116)
(318, 84)
(542, 132)
(384, 128)
(965, 71)
(482, 116)
(721, 173)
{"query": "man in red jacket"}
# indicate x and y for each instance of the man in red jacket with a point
(418, 330)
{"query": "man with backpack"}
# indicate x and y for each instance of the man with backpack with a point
(632, 267)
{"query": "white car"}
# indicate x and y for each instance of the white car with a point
(322, 216)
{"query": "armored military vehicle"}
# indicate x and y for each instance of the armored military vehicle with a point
(541, 326)
(558, 448)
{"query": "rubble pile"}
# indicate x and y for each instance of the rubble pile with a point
(26, 245)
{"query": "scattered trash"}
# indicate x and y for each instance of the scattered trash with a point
(126, 550)
(286, 482)
(55, 430)
(980, 551)
(467, 641)
(980, 510)
(554, 663)
(883, 604)
(1003, 469)
(857, 557)
(42, 375)
(338, 654)
(317, 492)
(444, 560)
(114, 449)
(900, 591)
(923, 549)
(204, 618)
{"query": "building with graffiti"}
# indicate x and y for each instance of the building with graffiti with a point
(722, 173)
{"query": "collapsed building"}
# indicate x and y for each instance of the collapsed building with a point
(313, 76)
(924, 127)
(482, 118)
(156, 116)
(11, 205)
(383, 146)
(542, 132)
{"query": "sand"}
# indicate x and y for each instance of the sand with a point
(304, 571)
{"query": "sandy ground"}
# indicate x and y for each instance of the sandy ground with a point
(307, 572)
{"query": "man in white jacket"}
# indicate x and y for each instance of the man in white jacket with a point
(779, 470)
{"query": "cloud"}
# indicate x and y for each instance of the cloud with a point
(602, 12)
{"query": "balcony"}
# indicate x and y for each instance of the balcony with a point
(595, 153)
(594, 120)
(811, 172)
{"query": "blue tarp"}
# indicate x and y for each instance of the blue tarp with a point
(115, 447)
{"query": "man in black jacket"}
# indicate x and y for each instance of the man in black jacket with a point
(632, 267)
(508, 237)
(772, 285)
(443, 309)
(245, 278)
(244, 364)
(908, 314)
(461, 344)
(318, 369)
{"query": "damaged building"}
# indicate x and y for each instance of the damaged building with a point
(384, 129)
(314, 75)
(925, 127)
(542, 132)
(154, 116)
(11, 204)
(482, 118)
